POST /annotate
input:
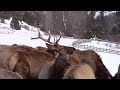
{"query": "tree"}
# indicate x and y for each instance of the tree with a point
(15, 24)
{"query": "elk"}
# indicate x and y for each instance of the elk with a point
(7, 74)
(28, 64)
(94, 60)
(54, 69)
(80, 71)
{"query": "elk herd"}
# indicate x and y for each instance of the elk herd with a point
(54, 62)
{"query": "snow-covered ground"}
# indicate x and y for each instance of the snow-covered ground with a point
(106, 13)
(23, 37)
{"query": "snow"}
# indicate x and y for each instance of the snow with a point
(106, 13)
(111, 61)
(23, 37)
(97, 14)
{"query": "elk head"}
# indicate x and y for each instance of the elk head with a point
(55, 46)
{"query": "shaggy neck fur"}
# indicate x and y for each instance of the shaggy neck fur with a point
(59, 67)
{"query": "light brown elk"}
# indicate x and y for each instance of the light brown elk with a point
(9, 55)
(7, 74)
(80, 71)
(7, 50)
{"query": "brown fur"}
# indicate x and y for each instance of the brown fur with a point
(45, 70)
(80, 71)
(93, 59)
(54, 69)
(29, 63)
(6, 51)
(23, 59)
(61, 49)
(6, 74)
(41, 48)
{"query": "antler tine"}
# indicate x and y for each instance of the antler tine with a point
(40, 37)
(56, 43)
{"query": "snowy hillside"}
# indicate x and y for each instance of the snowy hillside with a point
(106, 13)
(9, 36)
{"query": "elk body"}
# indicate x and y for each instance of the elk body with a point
(29, 63)
(80, 71)
(6, 51)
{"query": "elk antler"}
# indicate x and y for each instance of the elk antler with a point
(56, 43)
(48, 40)
(40, 37)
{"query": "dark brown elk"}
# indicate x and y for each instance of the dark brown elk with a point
(7, 74)
(94, 60)
(55, 69)
(80, 71)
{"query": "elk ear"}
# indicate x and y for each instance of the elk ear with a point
(53, 52)
(70, 50)
(50, 47)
